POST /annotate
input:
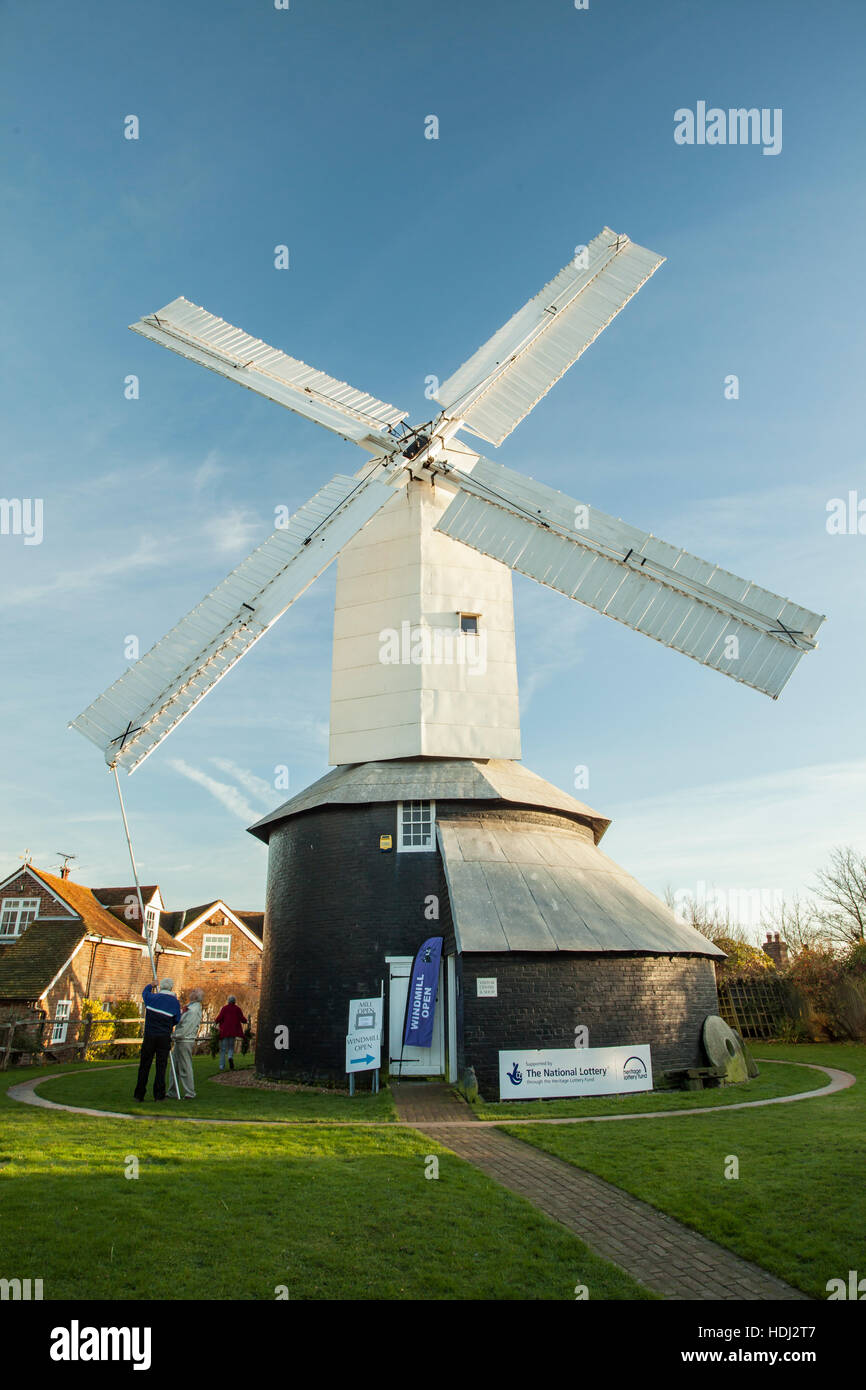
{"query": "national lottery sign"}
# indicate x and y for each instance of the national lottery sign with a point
(574, 1071)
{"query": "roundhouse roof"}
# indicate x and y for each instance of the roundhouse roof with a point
(433, 779)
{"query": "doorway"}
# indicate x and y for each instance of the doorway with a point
(415, 1061)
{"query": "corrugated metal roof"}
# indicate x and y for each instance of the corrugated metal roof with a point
(519, 886)
(505, 378)
(136, 713)
(202, 337)
(668, 594)
(433, 779)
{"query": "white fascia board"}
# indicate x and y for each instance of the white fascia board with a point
(46, 888)
(48, 988)
(227, 912)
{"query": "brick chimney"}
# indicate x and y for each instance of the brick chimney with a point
(777, 950)
(65, 871)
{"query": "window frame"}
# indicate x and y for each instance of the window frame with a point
(60, 1022)
(402, 847)
(151, 925)
(8, 904)
(216, 936)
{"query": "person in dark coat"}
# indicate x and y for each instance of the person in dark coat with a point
(231, 1022)
(161, 1013)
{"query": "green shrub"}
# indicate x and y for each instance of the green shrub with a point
(120, 1009)
(826, 993)
(742, 957)
(102, 1027)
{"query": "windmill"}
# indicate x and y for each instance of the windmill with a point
(426, 535)
(688, 604)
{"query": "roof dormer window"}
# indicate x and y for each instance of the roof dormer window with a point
(16, 914)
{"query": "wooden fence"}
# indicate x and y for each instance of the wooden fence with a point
(31, 1037)
(753, 1005)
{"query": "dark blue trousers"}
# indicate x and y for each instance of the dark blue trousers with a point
(153, 1048)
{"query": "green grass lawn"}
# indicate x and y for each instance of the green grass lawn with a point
(798, 1207)
(773, 1081)
(109, 1086)
(235, 1213)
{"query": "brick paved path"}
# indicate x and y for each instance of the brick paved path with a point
(658, 1251)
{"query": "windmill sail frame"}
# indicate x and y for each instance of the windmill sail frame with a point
(666, 593)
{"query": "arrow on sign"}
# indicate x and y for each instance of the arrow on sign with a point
(368, 1059)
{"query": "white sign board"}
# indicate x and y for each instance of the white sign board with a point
(585, 1071)
(364, 1037)
(486, 988)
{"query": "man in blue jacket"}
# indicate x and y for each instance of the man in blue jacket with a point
(161, 1013)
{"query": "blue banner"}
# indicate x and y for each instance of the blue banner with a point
(421, 1000)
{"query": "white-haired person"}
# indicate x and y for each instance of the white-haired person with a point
(231, 1022)
(161, 1013)
(185, 1035)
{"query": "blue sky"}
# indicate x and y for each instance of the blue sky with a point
(305, 127)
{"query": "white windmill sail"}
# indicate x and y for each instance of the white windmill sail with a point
(194, 333)
(504, 379)
(136, 713)
(686, 603)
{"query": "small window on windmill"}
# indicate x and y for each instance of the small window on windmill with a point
(469, 623)
(416, 825)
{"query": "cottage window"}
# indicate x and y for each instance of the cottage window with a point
(416, 825)
(16, 914)
(61, 1020)
(216, 947)
(151, 925)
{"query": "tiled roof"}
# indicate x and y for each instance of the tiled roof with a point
(28, 965)
(96, 918)
(255, 921)
(175, 922)
(116, 897)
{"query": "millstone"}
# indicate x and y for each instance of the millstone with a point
(725, 1049)
(747, 1053)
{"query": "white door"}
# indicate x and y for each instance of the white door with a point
(412, 1061)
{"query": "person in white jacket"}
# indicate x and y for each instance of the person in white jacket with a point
(185, 1035)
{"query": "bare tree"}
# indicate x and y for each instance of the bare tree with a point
(798, 923)
(707, 918)
(842, 887)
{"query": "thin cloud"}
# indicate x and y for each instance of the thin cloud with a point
(256, 786)
(92, 575)
(236, 531)
(771, 831)
(226, 795)
(207, 472)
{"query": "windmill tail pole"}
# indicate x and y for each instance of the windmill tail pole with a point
(141, 907)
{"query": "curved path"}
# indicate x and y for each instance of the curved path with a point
(654, 1248)
(419, 1106)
